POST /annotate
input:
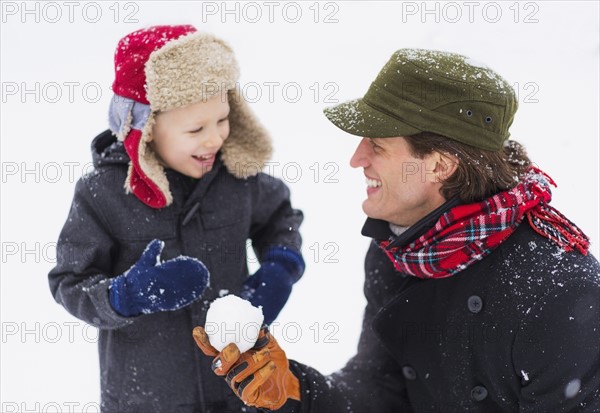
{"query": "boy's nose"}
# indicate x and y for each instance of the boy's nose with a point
(214, 140)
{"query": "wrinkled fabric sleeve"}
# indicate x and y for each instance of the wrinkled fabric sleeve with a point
(558, 347)
(79, 281)
(274, 221)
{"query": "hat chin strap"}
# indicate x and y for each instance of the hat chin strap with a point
(137, 181)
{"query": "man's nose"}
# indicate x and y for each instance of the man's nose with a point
(360, 158)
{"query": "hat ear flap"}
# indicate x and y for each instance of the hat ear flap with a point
(248, 146)
(146, 178)
(132, 123)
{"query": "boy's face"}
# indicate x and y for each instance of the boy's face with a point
(187, 139)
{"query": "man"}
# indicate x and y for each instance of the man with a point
(481, 297)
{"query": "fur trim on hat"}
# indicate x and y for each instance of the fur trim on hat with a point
(188, 70)
(249, 146)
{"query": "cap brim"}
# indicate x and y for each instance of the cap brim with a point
(359, 118)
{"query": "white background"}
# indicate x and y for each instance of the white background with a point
(548, 50)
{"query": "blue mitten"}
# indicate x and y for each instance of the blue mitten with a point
(150, 286)
(271, 286)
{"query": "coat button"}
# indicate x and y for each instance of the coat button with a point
(475, 304)
(409, 373)
(478, 393)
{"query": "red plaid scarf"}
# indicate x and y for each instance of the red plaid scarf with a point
(468, 233)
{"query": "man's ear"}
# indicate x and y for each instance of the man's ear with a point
(445, 165)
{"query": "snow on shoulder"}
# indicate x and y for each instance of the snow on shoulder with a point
(231, 319)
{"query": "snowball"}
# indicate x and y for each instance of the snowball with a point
(231, 319)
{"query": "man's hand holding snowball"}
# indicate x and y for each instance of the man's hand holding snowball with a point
(250, 360)
(260, 377)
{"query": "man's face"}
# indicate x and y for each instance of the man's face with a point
(401, 189)
(187, 139)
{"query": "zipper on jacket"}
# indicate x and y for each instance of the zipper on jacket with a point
(181, 222)
(188, 217)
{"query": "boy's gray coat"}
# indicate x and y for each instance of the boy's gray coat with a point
(150, 363)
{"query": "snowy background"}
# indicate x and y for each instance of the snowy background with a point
(57, 69)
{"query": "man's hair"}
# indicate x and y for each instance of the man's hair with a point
(480, 173)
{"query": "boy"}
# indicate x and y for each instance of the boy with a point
(188, 151)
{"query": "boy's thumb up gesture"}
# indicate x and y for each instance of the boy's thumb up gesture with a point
(150, 286)
(260, 377)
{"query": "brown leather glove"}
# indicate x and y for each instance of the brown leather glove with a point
(260, 377)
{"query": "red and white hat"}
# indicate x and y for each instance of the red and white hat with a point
(165, 67)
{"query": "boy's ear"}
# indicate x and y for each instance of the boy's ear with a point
(445, 165)
(151, 128)
(150, 133)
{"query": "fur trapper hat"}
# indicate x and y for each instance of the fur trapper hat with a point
(167, 67)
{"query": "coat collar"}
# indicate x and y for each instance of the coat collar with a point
(380, 229)
(191, 190)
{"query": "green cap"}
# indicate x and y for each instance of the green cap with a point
(432, 91)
